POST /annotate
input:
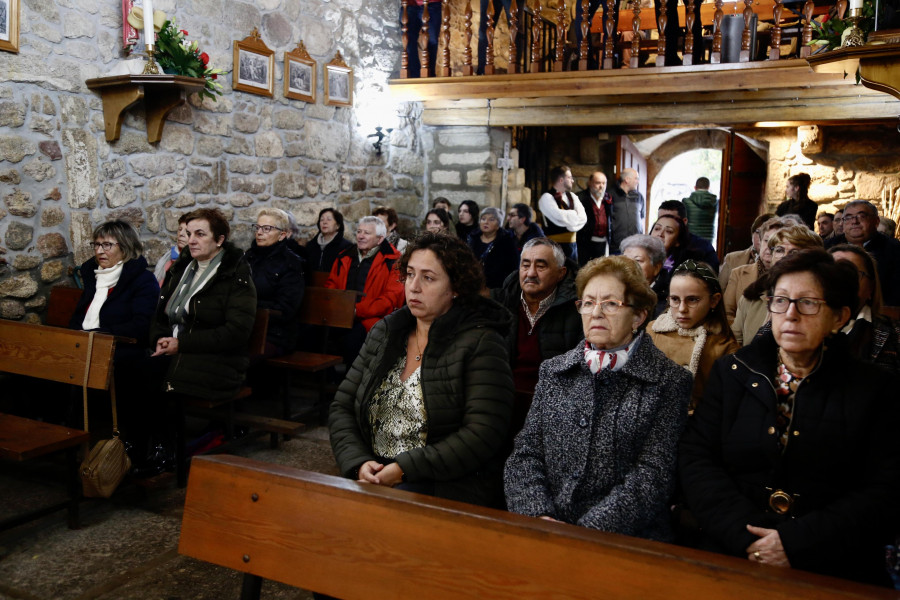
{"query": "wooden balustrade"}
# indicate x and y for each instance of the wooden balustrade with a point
(547, 48)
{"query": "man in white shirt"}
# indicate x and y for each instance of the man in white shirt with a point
(563, 213)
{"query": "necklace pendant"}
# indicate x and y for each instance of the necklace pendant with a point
(418, 357)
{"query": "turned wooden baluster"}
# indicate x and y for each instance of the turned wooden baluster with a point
(489, 46)
(513, 21)
(745, 36)
(560, 35)
(585, 35)
(536, 38)
(445, 39)
(775, 46)
(715, 57)
(404, 29)
(661, 46)
(806, 49)
(423, 46)
(467, 54)
(689, 18)
(610, 25)
(635, 61)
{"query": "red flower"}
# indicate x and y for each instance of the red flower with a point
(204, 58)
(185, 33)
(215, 76)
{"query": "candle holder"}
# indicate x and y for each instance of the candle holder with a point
(854, 36)
(150, 68)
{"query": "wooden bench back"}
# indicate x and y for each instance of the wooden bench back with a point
(350, 540)
(61, 305)
(257, 345)
(327, 307)
(318, 278)
(55, 354)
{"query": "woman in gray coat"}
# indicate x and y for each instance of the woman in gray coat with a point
(599, 445)
(426, 406)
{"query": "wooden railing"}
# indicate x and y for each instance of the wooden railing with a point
(542, 44)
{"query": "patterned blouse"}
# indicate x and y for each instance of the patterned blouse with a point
(397, 414)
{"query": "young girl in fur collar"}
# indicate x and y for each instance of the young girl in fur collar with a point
(694, 332)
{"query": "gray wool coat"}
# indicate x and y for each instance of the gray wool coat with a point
(600, 450)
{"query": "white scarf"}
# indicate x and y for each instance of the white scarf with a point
(665, 323)
(612, 359)
(106, 279)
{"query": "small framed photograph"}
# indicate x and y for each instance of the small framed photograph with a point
(338, 82)
(254, 66)
(299, 75)
(9, 25)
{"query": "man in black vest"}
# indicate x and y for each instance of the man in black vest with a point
(594, 236)
(563, 213)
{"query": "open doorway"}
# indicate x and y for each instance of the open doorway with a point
(676, 179)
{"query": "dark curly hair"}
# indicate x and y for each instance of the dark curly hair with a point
(464, 270)
(839, 279)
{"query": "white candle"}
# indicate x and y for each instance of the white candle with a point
(856, 4)
(150, 35)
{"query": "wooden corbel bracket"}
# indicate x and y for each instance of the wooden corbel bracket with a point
(878, 65)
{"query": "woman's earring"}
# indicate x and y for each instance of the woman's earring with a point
(634, 332)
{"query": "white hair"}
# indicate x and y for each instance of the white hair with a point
(380, 228)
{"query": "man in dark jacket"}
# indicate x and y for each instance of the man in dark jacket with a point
(860, 222)
(541, 297)
(629, 210)
(520, 223)
(594, 236)
(702, 206)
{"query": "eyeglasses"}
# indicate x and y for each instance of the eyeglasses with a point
(265, 228)
(607, 307)
(805, 306)
(107, 246)
(781, 251)
(691, 301)
(853, 218)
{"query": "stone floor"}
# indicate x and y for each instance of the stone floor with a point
(127, 545)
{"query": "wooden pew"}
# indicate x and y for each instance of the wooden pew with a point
(61, 305)
(355, 541)
(58, 355)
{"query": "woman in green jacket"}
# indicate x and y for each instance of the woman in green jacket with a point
(426, 405)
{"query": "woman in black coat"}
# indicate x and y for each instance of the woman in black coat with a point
(278, 277)
(494, 247)
(323, 249)
(120, 294)
(791, 458)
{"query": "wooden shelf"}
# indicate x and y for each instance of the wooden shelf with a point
(878, 64)
(161, 95)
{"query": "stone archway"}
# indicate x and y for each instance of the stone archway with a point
(693, 139)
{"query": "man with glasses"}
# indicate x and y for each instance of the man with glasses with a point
(519, 220)
(860, 221)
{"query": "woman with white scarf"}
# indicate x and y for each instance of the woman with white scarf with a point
(694, 332)
(120, 294)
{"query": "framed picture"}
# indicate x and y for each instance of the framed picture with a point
(299, 75)
(9, 25)
(254, 66)
(338, 82)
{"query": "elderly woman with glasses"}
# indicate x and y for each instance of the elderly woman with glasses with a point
(278, 277)
(120, 294)
(494, 247)
(751, 309)
(598, 447)
(694, 332)
(791, 459)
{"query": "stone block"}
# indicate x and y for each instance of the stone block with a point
(152, 165)
(164, 187)
(239, 145)
(154, 217)
(379, 178)
(268, 165)
(133, 142)
(39, 170)
(312, 186)
(12, 114)
(77, 24)
(11, 309)
(10, 177)
(14, 148)
(870, 185)
(356, 211)
(277, 29)
(212, 124)
(18, 235)
(327, 141)
(52, 270)
(177, 138)
(80, 231)
(408, 162)
(307, 213)
(408, 204)
(53, 195)
(210, 146)
(250, 185)
(289, 185)
(478, 177)
(73, 110)
(288, 119)
(43, 125)
(36, 303)
(51, 245)
(52, 216)
(119, 192)
(24, 262)
(132, 215)
(81, 168)
(113, 169)
(811, 139)
(51, 34)
(19, 286)
(474, 159)
(19, 204)
(478, 137)
(241, 200)
(199, 181)
(268, 144)
(246, 123)
(184, 200)
(242, 165)
(330, 181)
(446, 177)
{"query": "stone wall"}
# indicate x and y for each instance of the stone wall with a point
(59, 177)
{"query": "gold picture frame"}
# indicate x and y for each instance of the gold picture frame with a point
(9, 25)
(338, 82)
(299, 75)
(254, 66)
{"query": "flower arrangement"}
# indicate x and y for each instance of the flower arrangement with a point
(828, 32)
(177, 56)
